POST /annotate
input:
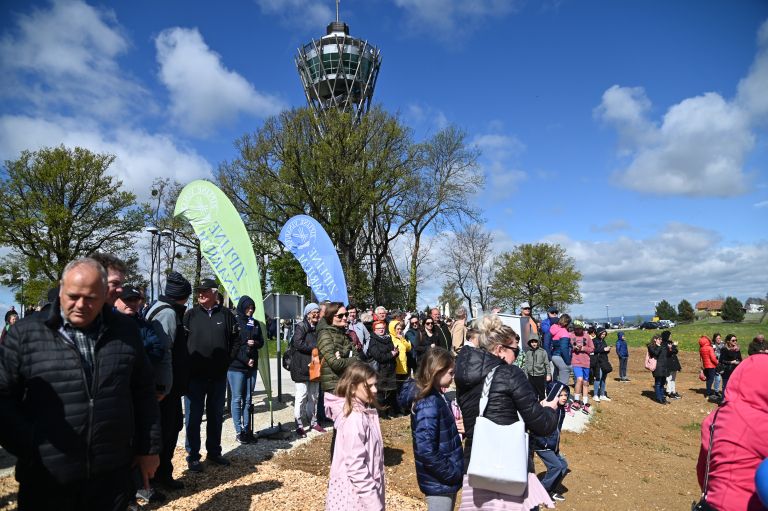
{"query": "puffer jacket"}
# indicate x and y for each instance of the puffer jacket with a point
(739, 445)
(509, 394)
(304, 340)
(436, 442)
(330, 340)
(661, 354)
(673, 363)
(380, 350)
(53, 422)
(621, 346)
(249, 329)
(707, 353)
(561, 343)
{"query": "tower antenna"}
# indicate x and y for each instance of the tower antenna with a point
(337, 11)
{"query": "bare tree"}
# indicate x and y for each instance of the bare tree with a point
(448, 175)
(470, 256)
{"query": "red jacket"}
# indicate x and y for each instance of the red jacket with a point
(707, 353)
(740, 439)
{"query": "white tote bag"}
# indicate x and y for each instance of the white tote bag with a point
(499, 459)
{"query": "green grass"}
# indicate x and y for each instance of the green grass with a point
(688, 335)
(691, 426)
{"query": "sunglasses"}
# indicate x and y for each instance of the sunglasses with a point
(429, 323)
(414, 323)
(342, 315)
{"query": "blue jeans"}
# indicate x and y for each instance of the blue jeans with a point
(241, 385)
(208, 394)
(600, 383)
(717, 382)
(623, 367)
(556, 465)
(658, 387)
(563, 371)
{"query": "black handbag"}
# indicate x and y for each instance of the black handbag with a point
(702, 504)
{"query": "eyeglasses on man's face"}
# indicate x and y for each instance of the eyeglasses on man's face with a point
(342, 315)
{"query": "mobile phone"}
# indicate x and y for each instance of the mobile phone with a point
(554, 392)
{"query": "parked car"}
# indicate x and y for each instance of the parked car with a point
(649, 325)
(667, 323)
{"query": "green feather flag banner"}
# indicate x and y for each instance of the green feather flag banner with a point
(226, 246)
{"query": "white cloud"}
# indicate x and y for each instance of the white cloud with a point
(70, 50)
(498, 152)
(434, 118)
(302, 13)
(140, 156)
(700, 145)
(614, 226)
(204, 93)
(679, 262)
(762, 204)
(449, 18)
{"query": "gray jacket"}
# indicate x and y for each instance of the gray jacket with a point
(164, 324)
(537, 363)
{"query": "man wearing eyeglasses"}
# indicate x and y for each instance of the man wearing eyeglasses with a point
(354, 324)
(443, 333)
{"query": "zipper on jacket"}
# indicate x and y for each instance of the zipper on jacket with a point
(90, 405)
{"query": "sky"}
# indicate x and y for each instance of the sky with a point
(632, 133)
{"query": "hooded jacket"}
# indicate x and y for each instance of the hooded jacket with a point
(357, 471)
(622, 351)
(166, 316)
(739, 445)
(673, 363)
(332, 340)
(509, 394)
(404, 345)
(707, 353)
(661, 354)
(249, 329)
(551, 442)
(436, 442)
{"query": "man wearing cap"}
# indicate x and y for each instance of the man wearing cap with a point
(157, 348)
(525, 311)
(304, 340)
(165, 315)
(77, 400)
(212, 342)
(552, 316)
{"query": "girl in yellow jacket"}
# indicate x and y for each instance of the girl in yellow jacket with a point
(404, 345)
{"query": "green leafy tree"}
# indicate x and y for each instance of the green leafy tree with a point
(664, 310)
(685, 311)
(287, 276)
(541, 274)
(733, 310)
(450, 295)
(62, 204)
(351, 178)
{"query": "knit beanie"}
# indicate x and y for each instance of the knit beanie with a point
(177, 287)
(310, 307)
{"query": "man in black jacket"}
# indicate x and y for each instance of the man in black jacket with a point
(444, 338)
(212, 343)
(77, 400)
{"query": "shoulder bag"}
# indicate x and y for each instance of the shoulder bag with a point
(650, 362)
(499, 460)
(702, 505)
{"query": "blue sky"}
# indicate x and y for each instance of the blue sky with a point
(633, 133)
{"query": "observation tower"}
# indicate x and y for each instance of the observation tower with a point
(339, 71)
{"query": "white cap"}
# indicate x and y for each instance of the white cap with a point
(525, 305)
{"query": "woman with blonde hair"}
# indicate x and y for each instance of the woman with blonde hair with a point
(403, 347)
(357, 469)
(510, 393)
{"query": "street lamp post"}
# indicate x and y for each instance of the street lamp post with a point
(607, 315)
(22, 296)
(154, 231)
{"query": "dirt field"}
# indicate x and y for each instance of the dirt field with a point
(635, 455)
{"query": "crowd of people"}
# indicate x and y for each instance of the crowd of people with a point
(68, 371)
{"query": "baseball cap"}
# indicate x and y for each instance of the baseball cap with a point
(553, 310)
(130, 292)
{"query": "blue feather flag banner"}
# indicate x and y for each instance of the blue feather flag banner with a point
(306, 239)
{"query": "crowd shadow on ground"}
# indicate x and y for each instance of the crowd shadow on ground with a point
(239, 496)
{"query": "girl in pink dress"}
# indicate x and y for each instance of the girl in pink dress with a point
(357, 470)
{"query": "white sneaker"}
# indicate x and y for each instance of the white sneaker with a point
(605, 398)
(596, 399)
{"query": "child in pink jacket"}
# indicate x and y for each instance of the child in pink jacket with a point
(357, 470)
